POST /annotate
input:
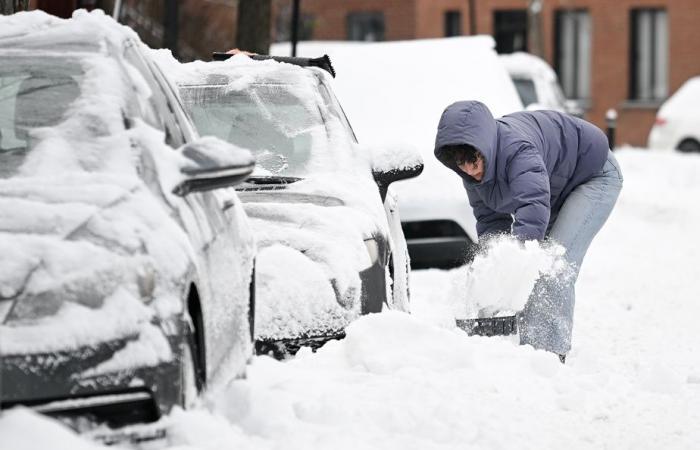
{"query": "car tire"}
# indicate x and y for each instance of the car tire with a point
(689, 146)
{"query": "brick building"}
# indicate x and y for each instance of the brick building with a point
(623, 54)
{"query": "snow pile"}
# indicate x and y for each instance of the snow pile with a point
(295, 296)
(308, 235)
(39, 31)
(393, 155)
(521, 64)
(212, 151)
(500, 279)
(22, 429)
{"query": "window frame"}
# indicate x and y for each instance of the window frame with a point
(452, 23)
(511, 29)
(574, 89)
(365, 19)
(656, 85)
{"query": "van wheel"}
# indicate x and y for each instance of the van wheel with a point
(689, 146)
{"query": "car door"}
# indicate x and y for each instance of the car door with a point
(230, 258)
(223, 256)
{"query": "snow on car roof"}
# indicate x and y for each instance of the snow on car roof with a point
(684, 101)
(86, 32)
(522, 64)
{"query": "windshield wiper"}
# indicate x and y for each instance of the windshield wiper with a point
(266, 183)
(272, 179)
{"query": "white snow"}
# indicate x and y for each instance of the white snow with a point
(403, 381)
(500, 279)
(521, 64)
(393, 155)
(296, 296)
(683, 102)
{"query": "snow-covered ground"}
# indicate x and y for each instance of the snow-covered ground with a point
(632, 380)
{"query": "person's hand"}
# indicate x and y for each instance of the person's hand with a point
(236, 51)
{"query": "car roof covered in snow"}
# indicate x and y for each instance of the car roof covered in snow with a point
(44, 33)
(522, 64)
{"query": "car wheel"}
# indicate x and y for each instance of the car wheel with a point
(188, 377)
(689, 146)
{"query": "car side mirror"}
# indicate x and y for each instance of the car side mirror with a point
(211, 163)
(394, 162)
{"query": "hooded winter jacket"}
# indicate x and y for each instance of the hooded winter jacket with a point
(532, 162)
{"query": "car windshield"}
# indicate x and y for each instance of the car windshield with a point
(526, 91)
(34, 93)
(293, 127)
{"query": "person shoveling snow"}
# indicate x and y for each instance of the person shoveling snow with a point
(535, 175)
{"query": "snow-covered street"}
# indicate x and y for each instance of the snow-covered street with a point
(403, 381)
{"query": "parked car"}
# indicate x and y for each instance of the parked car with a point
(537, 84)
(124, 285)
(677, 124)
(327, 226)
(395, 92)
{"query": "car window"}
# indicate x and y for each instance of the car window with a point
(291, 125)
(34, 93)
(157, 112)
(334, 107)
(526, 90)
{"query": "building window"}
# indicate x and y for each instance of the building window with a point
(283, 26)
(573, 52)
(453, 23)
(648, 55)
(366, 26)
(510, 30)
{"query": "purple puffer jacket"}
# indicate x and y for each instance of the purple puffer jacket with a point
(533, 160)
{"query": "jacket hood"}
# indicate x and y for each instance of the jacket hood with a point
(468, 122)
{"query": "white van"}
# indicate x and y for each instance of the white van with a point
(537, 84)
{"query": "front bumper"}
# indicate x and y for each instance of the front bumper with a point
(65, 385)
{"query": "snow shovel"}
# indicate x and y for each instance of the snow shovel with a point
(489, 326)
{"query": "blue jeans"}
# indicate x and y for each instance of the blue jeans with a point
(547, 320)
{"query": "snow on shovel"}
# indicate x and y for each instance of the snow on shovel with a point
(490, 292)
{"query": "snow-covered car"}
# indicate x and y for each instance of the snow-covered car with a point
(395, 92)
(537, 84)
(677, 124)
(124, 284)
(328, 231)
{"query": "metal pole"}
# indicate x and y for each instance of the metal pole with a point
(295, 26)
(472, 17)
(611, 122)
(116, 14)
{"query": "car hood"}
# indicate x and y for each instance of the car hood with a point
(72, 243)
(318, 225)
